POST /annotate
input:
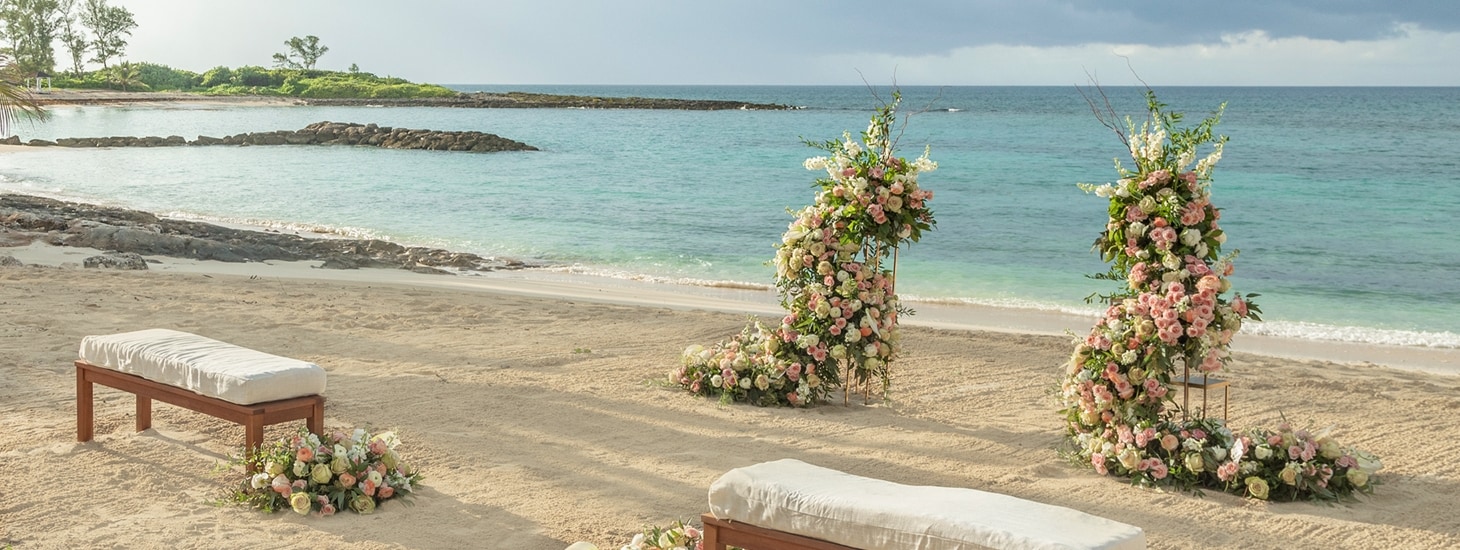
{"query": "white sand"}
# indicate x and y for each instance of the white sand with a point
(527, 441)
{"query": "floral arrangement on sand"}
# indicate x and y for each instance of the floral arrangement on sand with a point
(833, 278)
(1174, 316)
(675, 537)
(327, 474)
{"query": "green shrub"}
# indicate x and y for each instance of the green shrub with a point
(255, 76)
(162, 77)
(216, 76)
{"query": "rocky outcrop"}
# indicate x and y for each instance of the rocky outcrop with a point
(320, 133)
(122, 230)
(336, 133)
(119, 260)
(524, 100)
(10, 261)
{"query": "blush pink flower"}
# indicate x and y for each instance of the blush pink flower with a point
(1159, 469)
(1227, 470)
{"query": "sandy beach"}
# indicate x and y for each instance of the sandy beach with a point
(532, 407)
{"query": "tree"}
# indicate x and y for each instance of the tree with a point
(126, 74)
(72, 37)
(15, 100)
(31, 26)
(109, 25)
(303, 53)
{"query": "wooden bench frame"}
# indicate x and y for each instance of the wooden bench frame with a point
(719, 533)
(309, 408)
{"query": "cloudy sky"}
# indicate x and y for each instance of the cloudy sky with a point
(922, 42)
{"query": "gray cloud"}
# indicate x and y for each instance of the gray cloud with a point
(935, 26)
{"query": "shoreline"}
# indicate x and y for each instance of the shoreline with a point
(371, 260)
(542, 283)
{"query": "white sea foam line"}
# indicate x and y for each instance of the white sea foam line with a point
(1359, 335)
(256, 223)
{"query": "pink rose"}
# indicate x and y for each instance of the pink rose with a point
(1227, 471)
(1098, 461)
(304, 454)
(386, 491)
(281, 485)
(1159, 470)
(1169, 442)
(368, 487)
(327, 510)
(346, 479)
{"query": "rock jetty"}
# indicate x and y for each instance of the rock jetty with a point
(319, 133)
(25, 219)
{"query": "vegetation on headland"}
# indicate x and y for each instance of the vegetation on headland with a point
(92, 30)
(30, 30)
(254, 80)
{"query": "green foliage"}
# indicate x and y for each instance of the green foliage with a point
(255, 80)
(303, 53)
(252, 75)
(216, 76)
(110, 26)
(32, 27)
(162, 77)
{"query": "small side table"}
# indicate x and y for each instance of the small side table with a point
(1203, 383)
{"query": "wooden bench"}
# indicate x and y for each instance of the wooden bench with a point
(790, 505)
(719, 534)
(243, 386)
(253, 417)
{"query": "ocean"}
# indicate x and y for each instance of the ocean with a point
(1343, 201)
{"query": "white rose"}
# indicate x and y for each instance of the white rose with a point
(1190, 237)
(1147, 204)
(744, 383)
(717, 381)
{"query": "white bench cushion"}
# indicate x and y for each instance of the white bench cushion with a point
(796, 497)
(204, 365)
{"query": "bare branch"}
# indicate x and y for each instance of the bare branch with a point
(1104, 112)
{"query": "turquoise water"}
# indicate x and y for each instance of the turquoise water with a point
(1342, 200)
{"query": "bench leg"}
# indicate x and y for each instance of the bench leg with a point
(144, 413)
(84, 411)
(253, 434)
(710, 538)
(316, 418)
